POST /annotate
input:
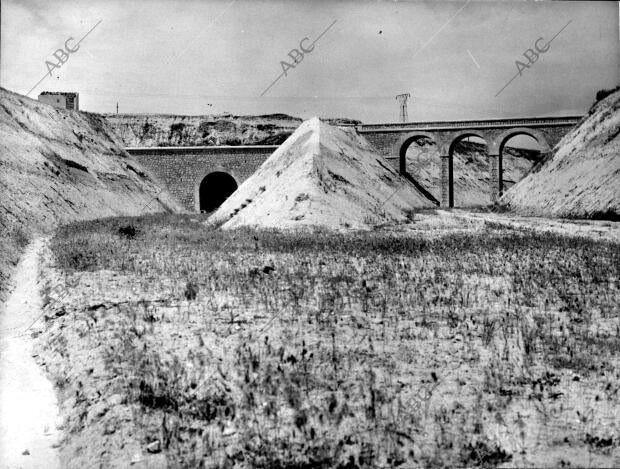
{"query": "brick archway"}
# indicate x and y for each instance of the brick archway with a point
(501, 141)
(401, 146)
(537, 135)
(214, 189)
(447, 161)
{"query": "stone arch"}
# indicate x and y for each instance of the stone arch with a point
(213, 189)
(460, 135)
(501, 141)
(536, 134)
(447, 167)
(401, 146)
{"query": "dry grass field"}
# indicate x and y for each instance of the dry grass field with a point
(179, 346)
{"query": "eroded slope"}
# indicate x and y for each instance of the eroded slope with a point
(58, 165)
(582, 178)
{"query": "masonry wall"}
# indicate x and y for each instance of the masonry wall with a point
(181, 170)
(384, 142)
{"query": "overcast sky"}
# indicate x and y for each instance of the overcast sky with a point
(202, 57)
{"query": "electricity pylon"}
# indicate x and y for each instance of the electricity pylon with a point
(402, 99)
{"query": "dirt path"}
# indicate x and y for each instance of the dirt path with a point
(594, 229)
(28, 406)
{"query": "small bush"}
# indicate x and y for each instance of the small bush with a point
(147, 128)
(128, 231)
(484, 455)
(177, 127)
(191, 291)
(602, 94)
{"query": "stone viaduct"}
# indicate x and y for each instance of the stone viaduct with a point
(392, 141)
(202, 177)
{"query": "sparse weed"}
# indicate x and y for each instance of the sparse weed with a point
(357, 350)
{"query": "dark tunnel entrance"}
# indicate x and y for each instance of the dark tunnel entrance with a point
(215, 188)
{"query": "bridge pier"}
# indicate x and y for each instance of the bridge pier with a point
(495, 180)
(447, 182)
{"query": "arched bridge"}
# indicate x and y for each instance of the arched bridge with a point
(202, 177)
(392, 141)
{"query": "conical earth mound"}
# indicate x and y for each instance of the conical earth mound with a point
(322, 176)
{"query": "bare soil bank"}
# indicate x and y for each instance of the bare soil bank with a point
(146, 130)
(57, 166)
(581, 178)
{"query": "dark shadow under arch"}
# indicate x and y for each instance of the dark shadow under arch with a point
(215, 188)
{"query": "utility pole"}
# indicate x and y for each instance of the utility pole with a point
(402, 99)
